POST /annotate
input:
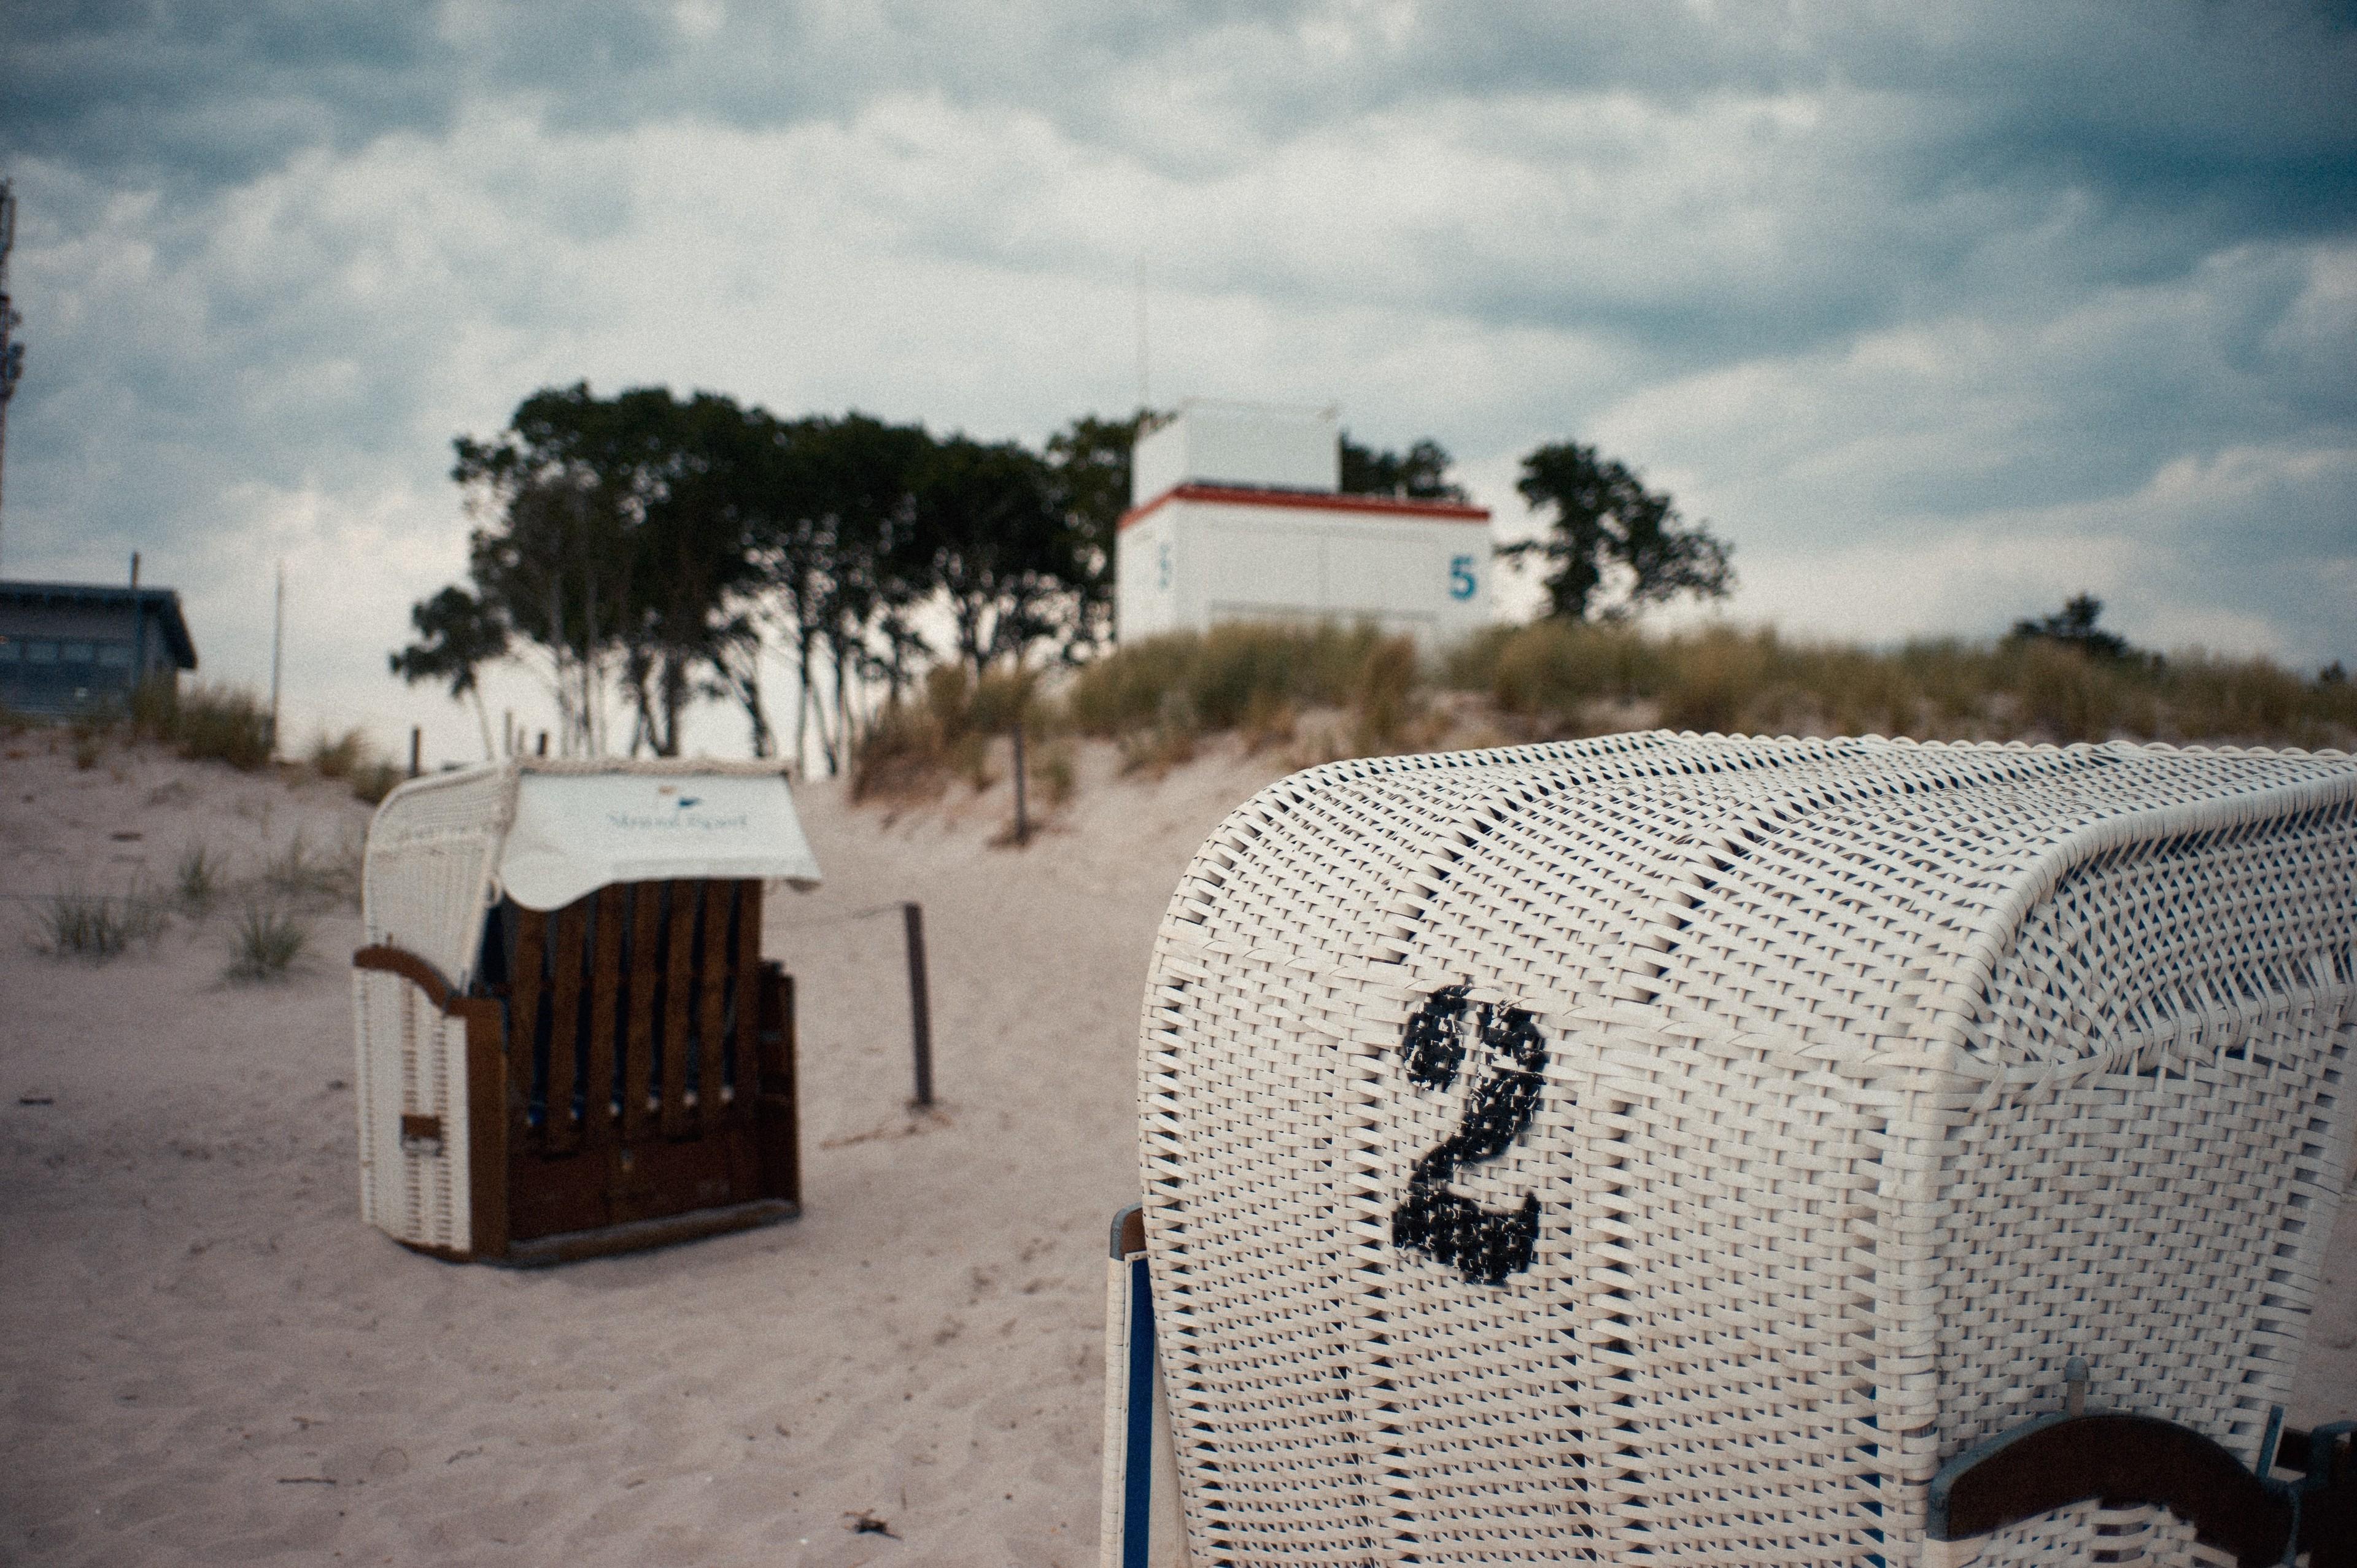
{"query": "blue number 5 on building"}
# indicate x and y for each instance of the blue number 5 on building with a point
(1462, 581)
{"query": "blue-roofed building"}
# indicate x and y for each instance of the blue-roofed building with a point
(77, 648)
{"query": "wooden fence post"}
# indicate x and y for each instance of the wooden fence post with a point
(921, 1012)
(1022, 820)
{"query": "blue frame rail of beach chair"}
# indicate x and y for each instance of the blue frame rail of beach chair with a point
(1142, 1526)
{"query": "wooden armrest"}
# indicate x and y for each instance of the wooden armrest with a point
(409, 966)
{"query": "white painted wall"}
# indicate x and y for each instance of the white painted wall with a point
(1248, 443)
(1146, 576)
(1188, 566)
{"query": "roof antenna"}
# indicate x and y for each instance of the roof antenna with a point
(1145, 393)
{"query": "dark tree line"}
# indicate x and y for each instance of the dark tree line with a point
(651, 549)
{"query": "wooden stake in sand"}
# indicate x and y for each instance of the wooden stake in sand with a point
(1022, 816)
(277, 643)
(921, 1011)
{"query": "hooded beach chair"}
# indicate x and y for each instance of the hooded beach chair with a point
(569, 1041)
(1690, 1149)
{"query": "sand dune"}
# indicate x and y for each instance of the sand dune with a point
(207, 1358)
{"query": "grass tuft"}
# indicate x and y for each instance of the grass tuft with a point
(301, 875)
(89, 743)
(339, 757)
(197, 881)
(223, 724)
(1055, 773)
(268, 941)
(913, 748)
(75, 923)
(374, 780)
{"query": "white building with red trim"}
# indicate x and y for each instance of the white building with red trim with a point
(1236, 514)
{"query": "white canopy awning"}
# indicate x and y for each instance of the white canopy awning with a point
(573, 833)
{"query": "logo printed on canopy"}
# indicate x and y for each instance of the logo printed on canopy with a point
(573, 834)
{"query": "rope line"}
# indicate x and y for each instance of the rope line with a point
(126, 900)
(867, 914)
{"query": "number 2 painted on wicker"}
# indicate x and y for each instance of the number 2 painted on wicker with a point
(1483, 1246)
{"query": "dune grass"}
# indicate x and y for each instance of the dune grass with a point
(338, 756)
(76, 923)
(302, 876)
(914, 747)
(197, 881)
(1157, 699)
(373, 779)
(1161, 698)
(1563, 679)
(218, 723)
(267, 939)
(354, 759)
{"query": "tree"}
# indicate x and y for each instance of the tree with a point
(1421, 474)
(690, 558)
(547, 558)
(725, 495)
(1088, 470)
(989, 533)
(2073, 626)
(606, 549)
(862, 473)
(457, 635)
(829, 529)
(1606, 523)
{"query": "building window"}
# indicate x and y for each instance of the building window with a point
(12, 650)
(114, 656)
(80, 652)
(40, 651)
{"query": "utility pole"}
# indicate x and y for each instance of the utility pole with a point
(12, 353)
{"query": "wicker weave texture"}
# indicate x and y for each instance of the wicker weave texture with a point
(1673, 1148)
(426, 878)
(412, 1061)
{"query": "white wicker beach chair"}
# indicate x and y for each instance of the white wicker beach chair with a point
(567, 1039)
(1677, 1149)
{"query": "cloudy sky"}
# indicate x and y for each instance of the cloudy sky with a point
(1938, 313)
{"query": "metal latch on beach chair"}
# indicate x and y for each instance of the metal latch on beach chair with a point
(421, 1135)
(2076, 1455)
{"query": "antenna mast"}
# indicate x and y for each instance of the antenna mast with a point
(1144, 392)
(12, 353)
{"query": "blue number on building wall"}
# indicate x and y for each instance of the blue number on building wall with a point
(1462, 581)
(1162, 563)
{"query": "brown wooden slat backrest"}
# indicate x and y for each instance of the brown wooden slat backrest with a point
(632, 1014)
(605, 989)
(526, 998)
(646, 939)
(715, 953)
(560, 1133)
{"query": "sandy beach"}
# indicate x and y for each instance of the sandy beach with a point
(207, 1358)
